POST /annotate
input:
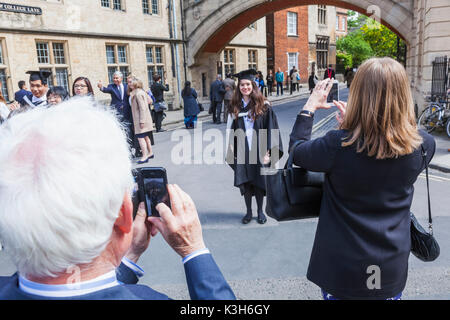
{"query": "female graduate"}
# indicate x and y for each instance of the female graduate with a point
(251, 148)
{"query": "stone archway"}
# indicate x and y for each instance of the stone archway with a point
(424, 25)
(213, 23)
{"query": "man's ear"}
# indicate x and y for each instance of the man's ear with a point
(125, 220)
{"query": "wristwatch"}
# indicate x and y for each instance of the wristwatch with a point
(307, 113)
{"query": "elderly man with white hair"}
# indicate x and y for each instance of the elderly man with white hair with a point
(119, 96)
(66, 214)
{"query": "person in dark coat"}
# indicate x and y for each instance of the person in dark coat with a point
(191, 108)
(216, 95)
(158, 89)
(329, 73)
(18, 96)
(247, 152)
(312, 80)
(364, 221)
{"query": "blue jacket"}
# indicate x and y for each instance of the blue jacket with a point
(204, 280)
(121, 105)
(191, 107)
(279, 77)
(18, 96)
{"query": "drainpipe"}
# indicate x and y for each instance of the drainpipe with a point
(174, 46)
(183, 36)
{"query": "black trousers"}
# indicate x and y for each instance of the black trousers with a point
(158, 119)
(216, 110)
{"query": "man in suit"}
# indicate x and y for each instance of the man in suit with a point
(230, 86)
(216, 95)
(72, 235)
(18, 96)
(119, 96)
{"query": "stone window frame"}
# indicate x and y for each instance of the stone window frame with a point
(151, 7)
(253, 59)
(322, 14)
(116, 5)
(229, 65)
(118, 65)
(290, 25)
(4, 70)
(155, 65)
(54, 63)
(322, 49)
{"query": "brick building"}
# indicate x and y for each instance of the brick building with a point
(287, 41)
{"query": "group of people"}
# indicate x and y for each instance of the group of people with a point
(136, 108)
(87, 225)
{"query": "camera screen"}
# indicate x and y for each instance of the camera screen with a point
(334, 93)
(155, 193)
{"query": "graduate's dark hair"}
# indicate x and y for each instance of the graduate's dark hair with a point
(58, 91)
(21, 84)
(256, 105)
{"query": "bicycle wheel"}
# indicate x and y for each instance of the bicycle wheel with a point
(448, 127)
(428, 119)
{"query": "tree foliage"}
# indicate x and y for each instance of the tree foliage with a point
(367, 38)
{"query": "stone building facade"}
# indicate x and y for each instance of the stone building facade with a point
(92, 38)
(321, 38)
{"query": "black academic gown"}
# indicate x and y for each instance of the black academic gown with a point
(247, 166)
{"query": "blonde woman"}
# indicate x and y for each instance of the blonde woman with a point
(362, 241)
(142, 119)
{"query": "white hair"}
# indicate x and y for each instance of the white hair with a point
(119, 74)
(64, 173)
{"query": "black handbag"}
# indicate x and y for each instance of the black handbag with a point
(423, 244)
(293, 192)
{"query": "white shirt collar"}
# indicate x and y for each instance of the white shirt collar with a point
(102, 282)
(36, 99)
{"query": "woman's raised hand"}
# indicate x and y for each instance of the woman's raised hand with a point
(318, 98)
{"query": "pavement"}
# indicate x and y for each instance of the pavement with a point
(441, 159)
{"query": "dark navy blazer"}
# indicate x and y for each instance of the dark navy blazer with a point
(121, 105)
(364, 217)
(18, 96)
(204, 280)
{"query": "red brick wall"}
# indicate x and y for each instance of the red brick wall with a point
(283, 44)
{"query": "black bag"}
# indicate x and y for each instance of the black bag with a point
(293, 193)
(200, 106)
(423, 244)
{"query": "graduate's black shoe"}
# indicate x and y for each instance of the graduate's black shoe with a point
(262, 219)
(247, 218)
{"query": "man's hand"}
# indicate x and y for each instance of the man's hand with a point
(142, 232)
(99, 85)
(180, 226)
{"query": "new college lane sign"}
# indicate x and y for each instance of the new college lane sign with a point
(20, 9)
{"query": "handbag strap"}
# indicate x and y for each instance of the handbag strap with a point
(290, 161)
(430, 219)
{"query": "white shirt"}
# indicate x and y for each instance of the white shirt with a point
(248, 122)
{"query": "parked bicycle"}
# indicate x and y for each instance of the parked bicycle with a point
(436, 114)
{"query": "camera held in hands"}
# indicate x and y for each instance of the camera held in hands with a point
(150, 188)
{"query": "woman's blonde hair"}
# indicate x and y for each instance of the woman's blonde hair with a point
(136, 83)
(380, 111)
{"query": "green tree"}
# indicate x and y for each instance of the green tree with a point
(355, 45)
(368, 38)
